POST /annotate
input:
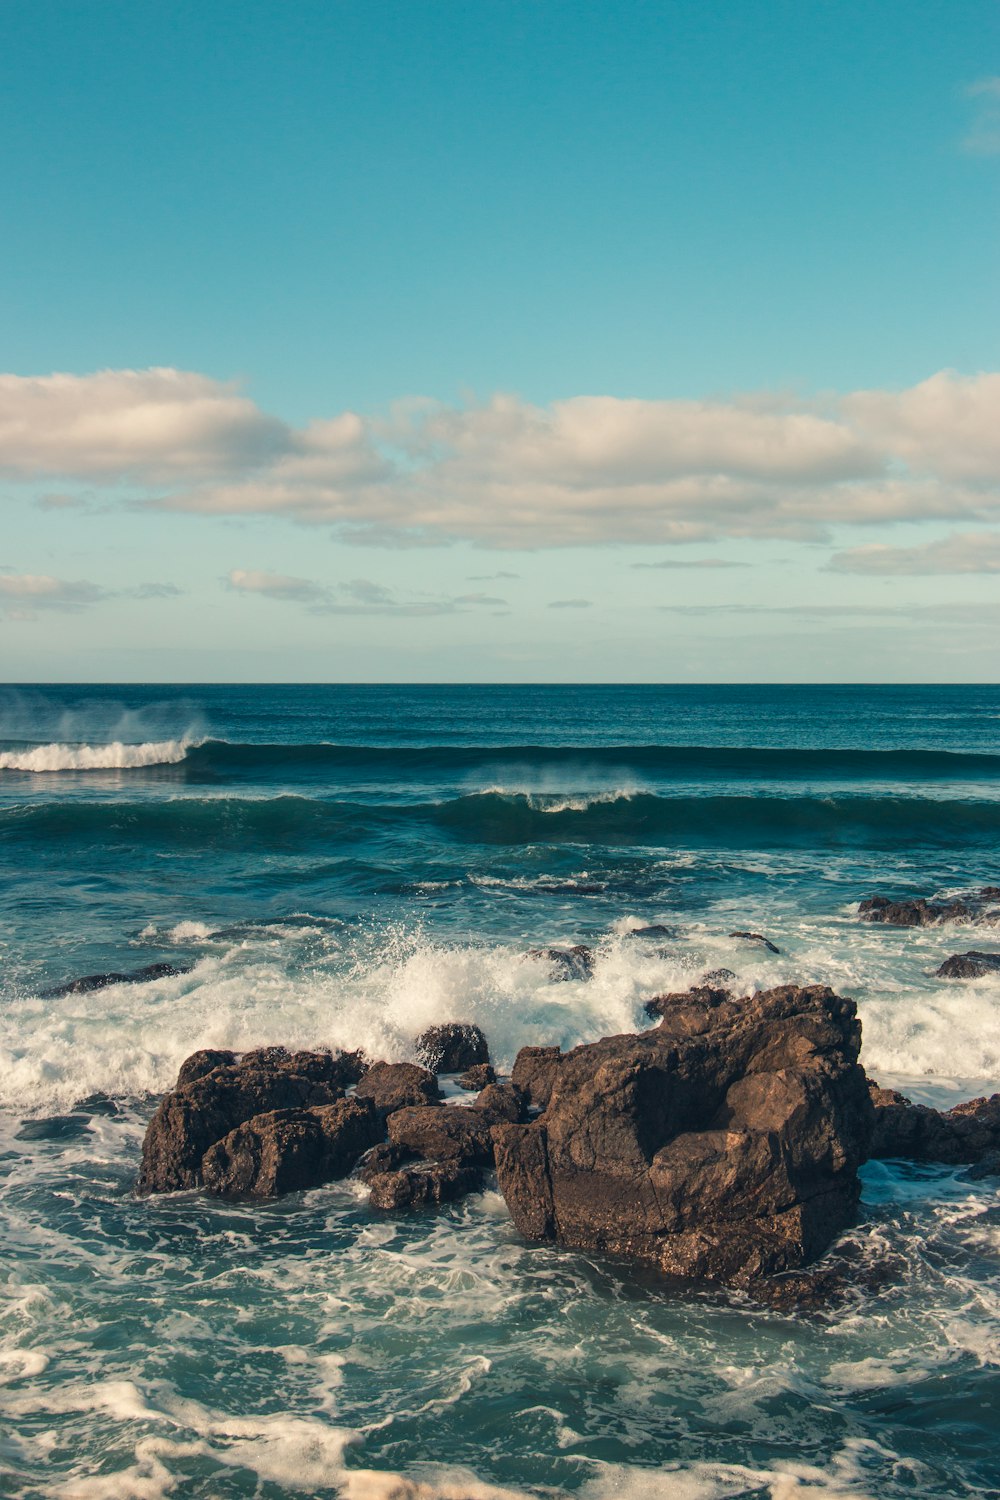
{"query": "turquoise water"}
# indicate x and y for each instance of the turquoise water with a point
(343, 866)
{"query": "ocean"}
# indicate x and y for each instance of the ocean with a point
(342, 866)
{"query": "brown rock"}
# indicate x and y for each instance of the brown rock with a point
(918, 913)
(567, 963)
(501, 1101)
(968, 1133)
(450, 1048)
(427, 1182)
(203, 1062)
(757, 937)
(535, 1070)
(392, 1086)
(724, 1145)
(478, 1077)
(289, 1150)
(443, 1132)
(972, 965)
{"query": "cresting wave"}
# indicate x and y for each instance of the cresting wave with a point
(491, 817)
(116, 756)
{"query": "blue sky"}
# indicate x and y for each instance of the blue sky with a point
(499, 340)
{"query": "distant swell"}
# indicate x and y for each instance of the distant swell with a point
(287, 822)
(114, 757)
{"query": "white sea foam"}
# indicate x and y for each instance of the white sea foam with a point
(116, 756)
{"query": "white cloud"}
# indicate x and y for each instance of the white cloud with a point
(275, 585)
(123, 423)
(983, 137)
(505, 473)
(962, 552)
(359, 596)
(22, 593)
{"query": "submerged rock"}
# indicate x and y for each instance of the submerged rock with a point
(757, 937)
(452, 1048)
(723, 1145)
(972, 965)
(968, 1133)
(567, 963)
(392, 1086)
(88, 982)
(289, 1150)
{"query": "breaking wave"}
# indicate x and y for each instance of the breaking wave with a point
(116, 756)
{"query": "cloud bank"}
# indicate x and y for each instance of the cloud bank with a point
(507, 473)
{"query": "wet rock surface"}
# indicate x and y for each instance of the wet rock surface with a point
(967, 1134)
(534, 1073)
(477, 1077)
(392, 1086)
(87, 982)
(757, 937)
(971, 965)
(453, 1048)
(566, 963)
(919, 912)
(723, 1145)
(289, 1150)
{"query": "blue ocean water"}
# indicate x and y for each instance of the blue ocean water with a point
(343, 866)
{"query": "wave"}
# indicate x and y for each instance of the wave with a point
(116, 756)
(734, 821)
(216, 757)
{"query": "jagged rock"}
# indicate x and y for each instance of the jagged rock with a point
(654, 930)
(567, 963)
(382, 1158)
(450, 1048)
(341, 1069)
(757, 937)
(717, 978)
(392, 1086)
(972, 965)
(969, 1132)
(477, 1077)
(97, 1104)
(443, 1132)
(501, 1101)
(203, 1062)
(289, 1150)
(990, 893)
(194, 1116)
(534, 1073)
(821, 1289)
(88, 982)
(687, 1000)
(917, 913)
(724, 1150)
(426, 1182)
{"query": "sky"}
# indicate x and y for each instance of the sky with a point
(500, 340)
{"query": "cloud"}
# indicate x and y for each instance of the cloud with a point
(983, 136)
(149, 424)
(23, 593)
(490, 577)
(571, 604)
(962, 552)
(359, 596)
(583, 471)
(692, 562)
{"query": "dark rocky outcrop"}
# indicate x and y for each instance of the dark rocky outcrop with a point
(723, 1145)
(661, 1005)
(423, 1183)
(567, 963)
(203, 1062)
(477, 1077)
(969, 1133)
(289, 1150)
(501, 1101)
(443, 1132)
(922, 913)
(717, 978)
(452, 1048)
(392, 1086)
(88, 982)
(193, 1116)
(654, 930)
(757, 937)
(534, 1073)
(972, 965)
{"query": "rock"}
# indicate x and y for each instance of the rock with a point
(97, 1104)
(968, 1133)
(567, 963)
(424, 1183)
(694, 1001)
(193, 1117)
(724, 1149)
(451, 1048)
(855, 1267)
(757, 937)
(340, 1070)
(534, 1073)
(501, 1101)
(717, 978)
(382, 1158)
(654, 930)
(972, 965)
(987, 1166)
(289, 1150)
(53, 1128)
(203, 1062)
(392, 1086)
(477, 1077)
(88, 982)
(917, 913)
(990, 893)
(443, 1132)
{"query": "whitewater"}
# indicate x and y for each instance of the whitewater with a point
(343, 867)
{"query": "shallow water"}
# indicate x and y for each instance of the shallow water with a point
(344, 866)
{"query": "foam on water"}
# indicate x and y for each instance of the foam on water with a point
(115, 756)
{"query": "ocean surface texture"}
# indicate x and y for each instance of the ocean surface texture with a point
(343, 866)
